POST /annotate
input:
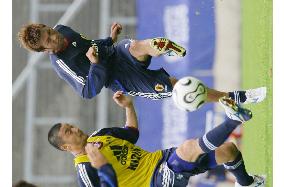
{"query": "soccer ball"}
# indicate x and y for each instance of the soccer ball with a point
(189, 94)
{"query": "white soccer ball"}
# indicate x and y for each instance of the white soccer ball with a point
(189, 94)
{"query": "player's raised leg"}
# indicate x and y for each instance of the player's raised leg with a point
(189, 156)
(217, 136)
(256, 95)
(214, 95)
(249, 96)
(143, 49)
(240, 97)
(232, 160)
(227, 153)
(166, 46)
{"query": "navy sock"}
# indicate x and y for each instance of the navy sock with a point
(237, 168)
(238, 96)
(217, 136)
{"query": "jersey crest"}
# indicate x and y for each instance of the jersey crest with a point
(159, 87)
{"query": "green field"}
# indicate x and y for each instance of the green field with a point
(257, 71)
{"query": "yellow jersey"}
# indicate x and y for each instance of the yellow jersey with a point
(133, 165)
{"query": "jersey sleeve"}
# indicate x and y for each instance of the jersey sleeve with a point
(89, 177)
(107, 41)
(95, 81)
(126, 133)
(87, 87)
(107, 176)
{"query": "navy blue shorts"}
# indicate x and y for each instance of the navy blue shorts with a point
(134, 78)
(173, 171)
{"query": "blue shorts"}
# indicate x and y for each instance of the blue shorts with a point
(173, 171)
(134, 78)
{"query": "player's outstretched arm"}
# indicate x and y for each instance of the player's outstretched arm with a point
(125, 102)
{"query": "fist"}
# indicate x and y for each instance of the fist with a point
(115, 31)
(121, 99)
(97, 159)
(93, 54)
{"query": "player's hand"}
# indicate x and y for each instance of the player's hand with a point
(115, 31)
(122, 100)
(97, 159)
(93, 55)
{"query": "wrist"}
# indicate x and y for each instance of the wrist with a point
(113, 38)
(94, 62)
(129, 106)
(100, 163)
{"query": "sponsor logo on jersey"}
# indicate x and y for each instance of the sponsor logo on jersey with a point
(125, 45)
(179, 176)
(135, 158)
(120, 152)
(74, 44)
(159, 87)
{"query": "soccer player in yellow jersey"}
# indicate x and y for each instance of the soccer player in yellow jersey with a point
(135, 167)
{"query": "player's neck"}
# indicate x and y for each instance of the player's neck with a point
(79, 150)
(65, 45)
(79, 153)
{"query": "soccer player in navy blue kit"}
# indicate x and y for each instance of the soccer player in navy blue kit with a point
(89, 65)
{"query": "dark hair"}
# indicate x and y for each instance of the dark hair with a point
(23, 183)
(53, 137)
(29, 36)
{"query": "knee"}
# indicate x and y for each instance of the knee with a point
(231, 151)
(189, 150)
(134, 45)
(188, 144)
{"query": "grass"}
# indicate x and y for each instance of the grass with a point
(257, 71)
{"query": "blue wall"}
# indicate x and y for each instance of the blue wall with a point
(190, 23)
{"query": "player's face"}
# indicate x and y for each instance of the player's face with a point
(72, 135)
(51, 40)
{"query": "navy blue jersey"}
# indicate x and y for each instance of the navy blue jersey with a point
(74, 67)
(117, 69)
(134, 77)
